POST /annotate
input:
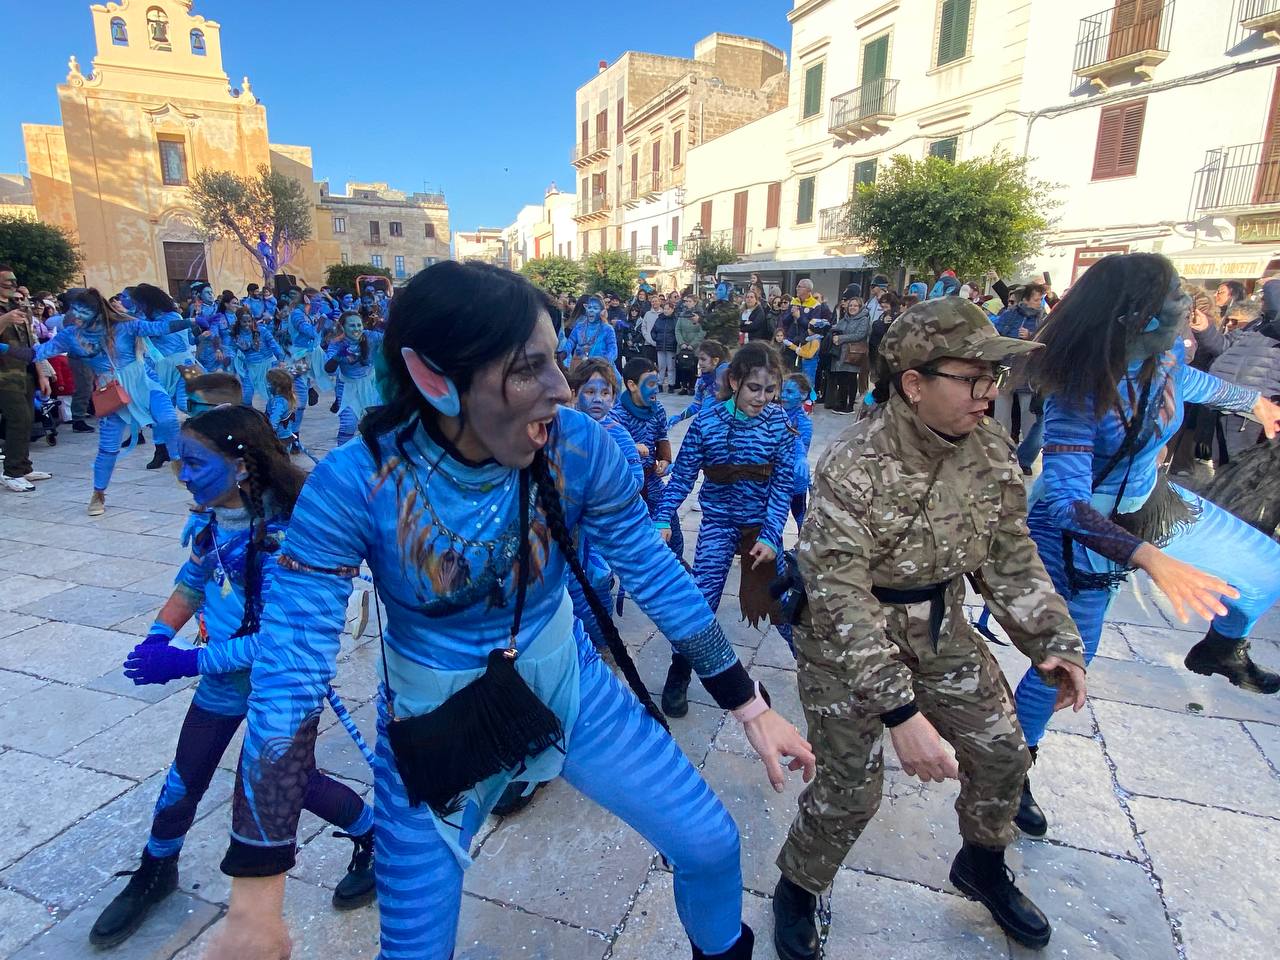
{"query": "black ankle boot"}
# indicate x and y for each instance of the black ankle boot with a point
(357, 887)
(980, 874)
(1030, 819)
(159, 458)
(795, 921)
(155, 879)
(1230, 657)
(79, 426)
(513, 799)
(741, 950)
(313, 397)
(675, 694)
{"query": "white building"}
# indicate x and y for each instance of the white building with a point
(544, 229)
(520, 234)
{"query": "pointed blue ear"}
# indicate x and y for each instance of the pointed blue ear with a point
(437, 389)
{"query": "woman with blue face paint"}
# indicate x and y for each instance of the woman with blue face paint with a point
(464, 498)
(255, 351)
(1102, 507)
(743, 446)
(152, 303)
(711, 356)
(351, 357)
(306, 354)
(795, 390)
(213, 341)
(240, 475)
(592, 335)
(114, 347)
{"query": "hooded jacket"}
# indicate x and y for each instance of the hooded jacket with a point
(1250, 356)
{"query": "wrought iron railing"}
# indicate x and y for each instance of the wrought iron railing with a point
(1251, 9)
(589, 146)
(876, 98)
(833, 223)
(1239, 176)
(1104, 38)
(596, 203)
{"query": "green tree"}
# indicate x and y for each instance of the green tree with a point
(269, 203)
(43, 257)
(555, 274)
(343, 275)
(712, 255)
(988, 213)
(610, 270)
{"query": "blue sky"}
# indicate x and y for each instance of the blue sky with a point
(475, 98)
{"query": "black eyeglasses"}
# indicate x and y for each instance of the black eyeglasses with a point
(980, 385)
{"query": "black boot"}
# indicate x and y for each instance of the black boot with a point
(513, 799)
(675, 692)
(159, 458)
(795, 921)
(980, 874)
(333, 407)
(1230, 657)
(739, 951)
(313, 397)
(155, 879)
(79, 426)
(1030, 819)
(357, 887)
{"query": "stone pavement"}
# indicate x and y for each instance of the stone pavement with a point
(1163, 794)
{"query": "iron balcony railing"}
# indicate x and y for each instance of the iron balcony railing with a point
(1252, 9)
(876, 98)
(596, 203)
(1105, 37)
(589, 147)
(1244, 175)
(833, 223)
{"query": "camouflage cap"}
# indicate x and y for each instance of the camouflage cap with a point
(946, 327)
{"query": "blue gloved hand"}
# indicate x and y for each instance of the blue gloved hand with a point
(159, 633)
(196, 521)
(160, 663)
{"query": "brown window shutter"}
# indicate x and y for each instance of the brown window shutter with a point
(1130, 138)
(675, 149)
(1107, 147)
(653, 240)
(706, 218)
(773, 206)
(619, 121)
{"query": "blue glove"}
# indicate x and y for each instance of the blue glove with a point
(159, 633)
(160, 663)
(197, 520)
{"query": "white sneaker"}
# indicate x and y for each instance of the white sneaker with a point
(17, 484)
(37, 475)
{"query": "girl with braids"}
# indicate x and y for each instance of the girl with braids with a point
(213, 342)
(351, 356)
(152, 303)
(238, 472)
(114, 346)
(463, 499)
(256, 351)
(1114, 392)
(743, 446)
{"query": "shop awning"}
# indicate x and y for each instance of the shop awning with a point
(854, 262)
(1240, 261)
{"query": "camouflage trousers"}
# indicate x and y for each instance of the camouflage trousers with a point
(962, 692)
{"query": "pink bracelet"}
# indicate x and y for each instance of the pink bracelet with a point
(752, 708)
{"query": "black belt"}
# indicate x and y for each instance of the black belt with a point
(935, 594)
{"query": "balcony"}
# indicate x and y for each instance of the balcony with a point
(646, 256)
(833, 224)
(589, 150)
(596, 205)
(1240, 179)
(865, 110)
(1261, 16)
(1125, 41)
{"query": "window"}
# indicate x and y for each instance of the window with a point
(396, 228)
(158, 28)
(339, 224)
(375, 231)
(653, 239)
(944, 149)
(345, 259)
(812, 91)
(864, 171)
(586, 242)
(633, 244)
(197, 43)
(618, 122)
(706, 218)
(376, 260)
(568, 249)
(676, 144)
(400, 268)
(953, 30)
(1119, 137)
(119, 32)
(173, 161)
(675, 229)
(804, 200)
(773, 205)
(430, 231)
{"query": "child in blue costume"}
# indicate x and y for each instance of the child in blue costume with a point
(202, 304)
(213, 340)
(1114, 393)
(591, 336)
(114, 347)
(712, 363)
(152, 303)
(255, 351)
(795, 391)
(307, 356)
(806, 349)
(743, 447)
(236, 470)
(432, 500)
(282, 404)
(351, 356)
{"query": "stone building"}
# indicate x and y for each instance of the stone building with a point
(15, 197)
(372, 223)
(488, 244)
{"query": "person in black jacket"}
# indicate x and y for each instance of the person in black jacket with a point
(755, 323)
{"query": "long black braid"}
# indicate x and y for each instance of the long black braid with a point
(553, 509)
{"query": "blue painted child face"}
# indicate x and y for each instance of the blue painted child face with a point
(206, 295)
(593, 309)
(646, 391)
(348, 301)
(353, 328)
(208, 475)
(792, 396)
(595, 397)
(84, 314)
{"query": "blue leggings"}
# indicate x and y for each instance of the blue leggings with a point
(1218, 543)
(346, 425)
(618, 757)
(301, 387)
(111, 431)
(712, 558)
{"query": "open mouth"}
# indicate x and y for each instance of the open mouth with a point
(538, 431)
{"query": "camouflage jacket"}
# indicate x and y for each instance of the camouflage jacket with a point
(866, 526)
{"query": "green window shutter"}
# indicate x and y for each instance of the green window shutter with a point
(953, 31)
(864, 172)
(945, 149)
(813, 90)
(804, 202)
(875, 60)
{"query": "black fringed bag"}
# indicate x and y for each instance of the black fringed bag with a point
(491, 725)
